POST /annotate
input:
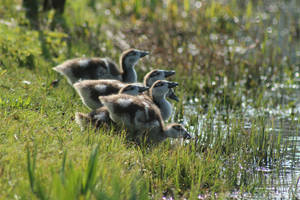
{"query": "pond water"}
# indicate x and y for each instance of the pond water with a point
(282, 120)
(282, 183)
(286, 122)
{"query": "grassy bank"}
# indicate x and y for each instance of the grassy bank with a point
(228, 57)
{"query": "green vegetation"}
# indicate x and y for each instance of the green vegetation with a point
(230, 57)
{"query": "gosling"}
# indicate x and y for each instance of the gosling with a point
(102, 68)
(142, 119)
(157, 95)
(100, 117)
(161, 133)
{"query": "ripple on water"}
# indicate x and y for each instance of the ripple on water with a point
(281, 119)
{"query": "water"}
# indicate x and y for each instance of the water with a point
(286, 121)
(281, 119)
(281, 184)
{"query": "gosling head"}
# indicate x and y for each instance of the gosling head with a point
(177, 131)
(161, 87)
(157, 74)
(131, 57)
(133, 89)
(171, 94)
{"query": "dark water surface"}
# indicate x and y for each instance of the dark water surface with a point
(285, 183)
(282, 120)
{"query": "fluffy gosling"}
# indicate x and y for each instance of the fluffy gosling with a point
(160, 133)
(142, 118)
(158, 93)
(102, 68)
(100, 116)
(90, 90)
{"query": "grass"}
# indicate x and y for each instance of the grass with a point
(228, 57)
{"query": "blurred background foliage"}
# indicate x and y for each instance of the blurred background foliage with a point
(225, 44)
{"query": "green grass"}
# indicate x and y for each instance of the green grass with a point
(227, 56)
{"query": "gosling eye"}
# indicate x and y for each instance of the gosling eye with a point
(128, 88)
(179, 128)
(158, 84)
(153, 74)
(159, 73)
(133, 53)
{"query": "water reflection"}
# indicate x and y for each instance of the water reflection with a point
(281, 120)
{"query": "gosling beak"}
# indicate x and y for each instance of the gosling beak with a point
(142, 89)
(172, 95)
(169, 73)
(187, 136)
(143, 53)
(172, 84)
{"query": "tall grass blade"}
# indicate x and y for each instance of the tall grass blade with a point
(90, 172)
(30, 169)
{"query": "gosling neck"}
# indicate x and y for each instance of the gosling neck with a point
(164, 106)
(129, 74)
